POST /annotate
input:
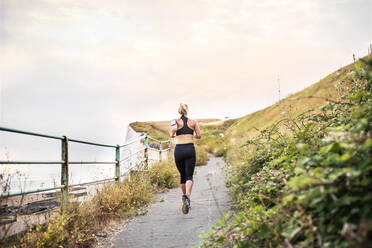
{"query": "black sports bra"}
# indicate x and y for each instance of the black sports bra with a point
(185, 129)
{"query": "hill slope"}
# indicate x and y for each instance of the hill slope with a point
(306, 180)
(313, 97)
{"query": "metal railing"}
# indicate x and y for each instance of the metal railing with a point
(64, 187)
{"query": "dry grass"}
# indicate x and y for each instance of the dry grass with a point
(201, 156)
(79, 223)
(212, 140)
(164, 175)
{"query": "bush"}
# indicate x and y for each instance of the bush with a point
(307, 181)
(212, 139)
(77, 224)
(124, 197)
(217, 149)
(201, 156)
(164, 174)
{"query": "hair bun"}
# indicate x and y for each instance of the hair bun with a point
(183, 109)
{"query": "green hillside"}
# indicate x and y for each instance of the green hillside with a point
(303, 178)
(312, 97)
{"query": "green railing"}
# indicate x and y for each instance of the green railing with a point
(65, 160)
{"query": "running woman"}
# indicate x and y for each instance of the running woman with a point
(184, 130)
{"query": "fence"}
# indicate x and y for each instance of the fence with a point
(64, 187)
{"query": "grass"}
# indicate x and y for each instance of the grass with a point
(313, 97)
(164, 175)
(201, 156)
(304, 181)
(213, 140)
(79, 223)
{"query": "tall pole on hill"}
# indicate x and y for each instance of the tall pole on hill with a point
(278, 80)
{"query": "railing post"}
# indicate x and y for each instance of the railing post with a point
(160, 151)
(169, 148)
(117, 165)
(146, 152)
(64, 171)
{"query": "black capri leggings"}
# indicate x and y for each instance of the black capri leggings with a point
(185, 157)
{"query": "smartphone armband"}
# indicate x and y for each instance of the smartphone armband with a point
(173, 122)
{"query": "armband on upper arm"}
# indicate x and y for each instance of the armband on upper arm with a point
(173, 122)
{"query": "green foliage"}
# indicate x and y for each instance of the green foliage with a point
(307, 181)
(164, 174)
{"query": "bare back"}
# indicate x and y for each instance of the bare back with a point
(187, 138)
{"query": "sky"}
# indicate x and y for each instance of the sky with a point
(87, 68)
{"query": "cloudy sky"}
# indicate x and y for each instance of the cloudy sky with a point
(87, 68)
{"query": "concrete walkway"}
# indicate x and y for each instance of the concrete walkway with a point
(166, 226)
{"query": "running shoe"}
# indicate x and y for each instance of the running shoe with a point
(186, 204)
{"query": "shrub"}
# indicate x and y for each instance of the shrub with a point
(201, 156)
(212, 139)
(217, 149)
(164, 174)
(125, 196)
(307, 181)
(77, 224)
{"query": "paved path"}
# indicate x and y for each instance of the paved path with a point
(166, 226)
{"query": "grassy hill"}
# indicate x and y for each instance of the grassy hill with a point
(313, 97)
(306, 178)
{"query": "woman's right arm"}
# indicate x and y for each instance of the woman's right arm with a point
(173, 128)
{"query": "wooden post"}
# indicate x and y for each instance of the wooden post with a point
(160, 151)
(64, 171)
(117, 165)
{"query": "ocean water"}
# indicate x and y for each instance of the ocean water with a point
(21, 177)
(24, 177)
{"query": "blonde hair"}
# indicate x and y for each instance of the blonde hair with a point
(183, 109)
